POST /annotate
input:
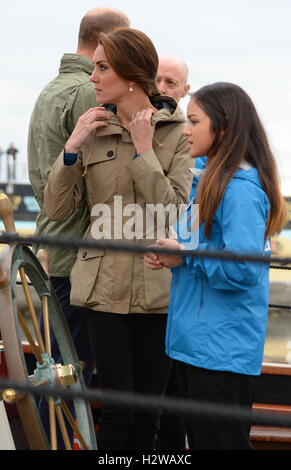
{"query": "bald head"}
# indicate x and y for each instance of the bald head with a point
(102, 19)
(172, 77)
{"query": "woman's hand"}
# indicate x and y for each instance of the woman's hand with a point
(92, 119)
(169, 261)
(142, 130)
(158, 260)
(152, 261)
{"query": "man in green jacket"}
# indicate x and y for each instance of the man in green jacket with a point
(55, 114)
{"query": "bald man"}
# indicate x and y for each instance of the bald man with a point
(172, 78)
(55, 114)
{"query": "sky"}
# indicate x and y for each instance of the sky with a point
(247, 42)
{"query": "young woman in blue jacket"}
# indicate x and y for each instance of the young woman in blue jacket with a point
(219, 309)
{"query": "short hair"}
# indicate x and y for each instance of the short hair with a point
(100, 20)
(133, 56)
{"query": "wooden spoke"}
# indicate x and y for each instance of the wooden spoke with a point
(73, 424)
(29, 337)
(53, 426)
(63, 427)
(31, 310)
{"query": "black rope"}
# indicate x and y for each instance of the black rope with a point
(11, 238)
(149, 403)
(283, 307)
(139, 247)
(280, 267)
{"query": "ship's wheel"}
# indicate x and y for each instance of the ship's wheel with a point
(20, 267)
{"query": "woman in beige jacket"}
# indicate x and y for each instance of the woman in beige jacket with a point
(126, 159)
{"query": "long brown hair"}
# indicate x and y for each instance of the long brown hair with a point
(244, 139)
(133, 56)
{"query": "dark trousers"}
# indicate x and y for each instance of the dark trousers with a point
(208, 432)
(76, 320)
(172, 433)
(129, 355)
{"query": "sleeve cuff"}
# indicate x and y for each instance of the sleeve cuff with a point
(70, 158)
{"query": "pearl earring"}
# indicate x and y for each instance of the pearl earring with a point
(130, 88)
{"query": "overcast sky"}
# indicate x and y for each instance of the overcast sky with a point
(247, 42)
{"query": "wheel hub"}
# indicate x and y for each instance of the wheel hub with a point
(54, 374)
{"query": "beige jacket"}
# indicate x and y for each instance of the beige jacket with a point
(113, 281)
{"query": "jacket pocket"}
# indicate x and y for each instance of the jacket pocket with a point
(157, 286)
(84, 275)
(99, 150)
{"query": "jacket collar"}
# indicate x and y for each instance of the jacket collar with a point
(74, 63)
(168, 110)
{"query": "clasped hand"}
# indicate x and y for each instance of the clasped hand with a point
(142, 130)
(157, 261)
(92, 119)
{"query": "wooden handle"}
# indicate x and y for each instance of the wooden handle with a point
(7, 213)
(43, 258)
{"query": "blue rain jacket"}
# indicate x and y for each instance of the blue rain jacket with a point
(218, 309)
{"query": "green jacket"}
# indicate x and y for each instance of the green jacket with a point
(53, 119)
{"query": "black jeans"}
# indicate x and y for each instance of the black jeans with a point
(210, 432)
(129, 355)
